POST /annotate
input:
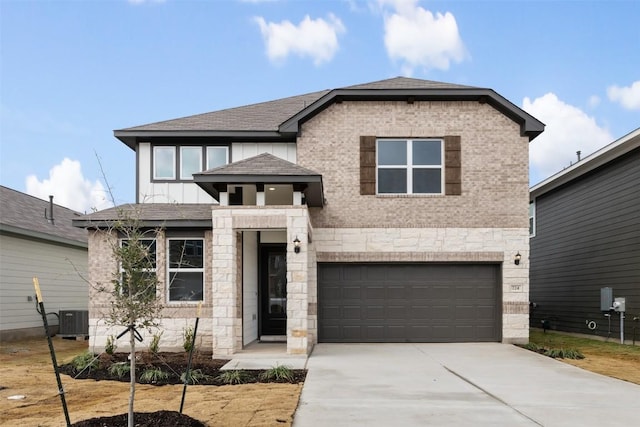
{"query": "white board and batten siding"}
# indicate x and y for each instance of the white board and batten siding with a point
(188, 192)
(61, 271)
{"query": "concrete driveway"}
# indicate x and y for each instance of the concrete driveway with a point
(456, 385)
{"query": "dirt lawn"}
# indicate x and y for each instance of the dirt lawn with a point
(26, 369)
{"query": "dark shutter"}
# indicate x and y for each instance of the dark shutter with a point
(368, 165)
(452, 166)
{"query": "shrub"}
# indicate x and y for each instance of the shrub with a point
(152, 375)
(564, 353)
(234, 376)
(278, 373)
(194, 377)
(154, 347)
(120, 369)
(84, 361)
(188, 338)
(111, 345)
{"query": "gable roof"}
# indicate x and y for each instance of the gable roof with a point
(24, 215)
(191, 215)
(282, 118)
(263, 168)
(618, 148)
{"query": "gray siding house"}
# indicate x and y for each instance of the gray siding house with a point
(585, 235)
(34, 245)
(390, 211)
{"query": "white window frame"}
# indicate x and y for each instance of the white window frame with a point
(171, 270)
(409, 166)
(164, 178)
(153, 270)
(183, 148)
(532, 218)
(225, 147)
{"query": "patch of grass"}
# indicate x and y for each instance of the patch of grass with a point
(564, 353)
(585, 346)
(153, 375)
(278, 373)
(120, 369)
(83, 361)
(194, 377)
(235, 376)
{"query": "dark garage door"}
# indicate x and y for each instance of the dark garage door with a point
(408, 302)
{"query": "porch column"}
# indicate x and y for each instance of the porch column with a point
(297, 283)
(225, 293)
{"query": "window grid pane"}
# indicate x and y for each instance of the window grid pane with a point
(190, 161)
(217, 156)
(412, 166)
(186, 269)
(164, 163)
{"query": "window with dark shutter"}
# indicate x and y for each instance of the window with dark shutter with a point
(452, 166)
(368, 165)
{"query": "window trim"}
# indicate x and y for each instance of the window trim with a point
(409, 166)
(170, 270)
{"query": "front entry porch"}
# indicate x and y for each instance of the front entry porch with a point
(263, 286)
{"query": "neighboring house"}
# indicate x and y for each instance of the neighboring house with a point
(37, 239)
(585, 235)
(389, 211)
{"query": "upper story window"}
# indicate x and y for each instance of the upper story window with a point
(164, 162)
(190, 161)
(186, 269)
(217, 156)
(409, 166)
(179, 163)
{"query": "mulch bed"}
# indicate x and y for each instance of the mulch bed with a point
(174, 364)
(143, 419)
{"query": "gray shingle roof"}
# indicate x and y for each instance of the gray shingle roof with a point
(151, 214)
(262, 164)
(264, 116)
(21, 213)
(267, 116)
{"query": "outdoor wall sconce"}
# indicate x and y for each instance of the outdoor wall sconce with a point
(516, 259)
(296, 245)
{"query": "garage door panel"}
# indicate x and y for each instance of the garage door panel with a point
(408, 302)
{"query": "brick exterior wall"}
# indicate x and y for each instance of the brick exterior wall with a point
(495, 180)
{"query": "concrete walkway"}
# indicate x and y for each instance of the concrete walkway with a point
(456, 385)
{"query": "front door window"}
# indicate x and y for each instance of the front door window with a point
(274, 290)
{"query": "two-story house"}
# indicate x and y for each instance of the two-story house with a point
(392, 211)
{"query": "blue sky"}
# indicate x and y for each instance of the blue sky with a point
(71, 72)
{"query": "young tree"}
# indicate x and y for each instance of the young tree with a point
(134, 303)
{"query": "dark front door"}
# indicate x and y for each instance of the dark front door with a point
(273, 289)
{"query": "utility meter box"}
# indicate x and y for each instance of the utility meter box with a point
(619, 304)
(606, 298)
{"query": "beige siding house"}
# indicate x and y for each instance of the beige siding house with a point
(392, 211)
(33, 243)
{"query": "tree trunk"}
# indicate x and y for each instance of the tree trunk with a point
(132, 374)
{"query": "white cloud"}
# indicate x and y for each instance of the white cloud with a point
(568, 129)
(418, 38)
(594, 101)
(627, 96)
(69, 188)
(314, 38)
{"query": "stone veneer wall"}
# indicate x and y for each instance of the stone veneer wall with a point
(491, 245)
(176, 317)
(227, 313)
